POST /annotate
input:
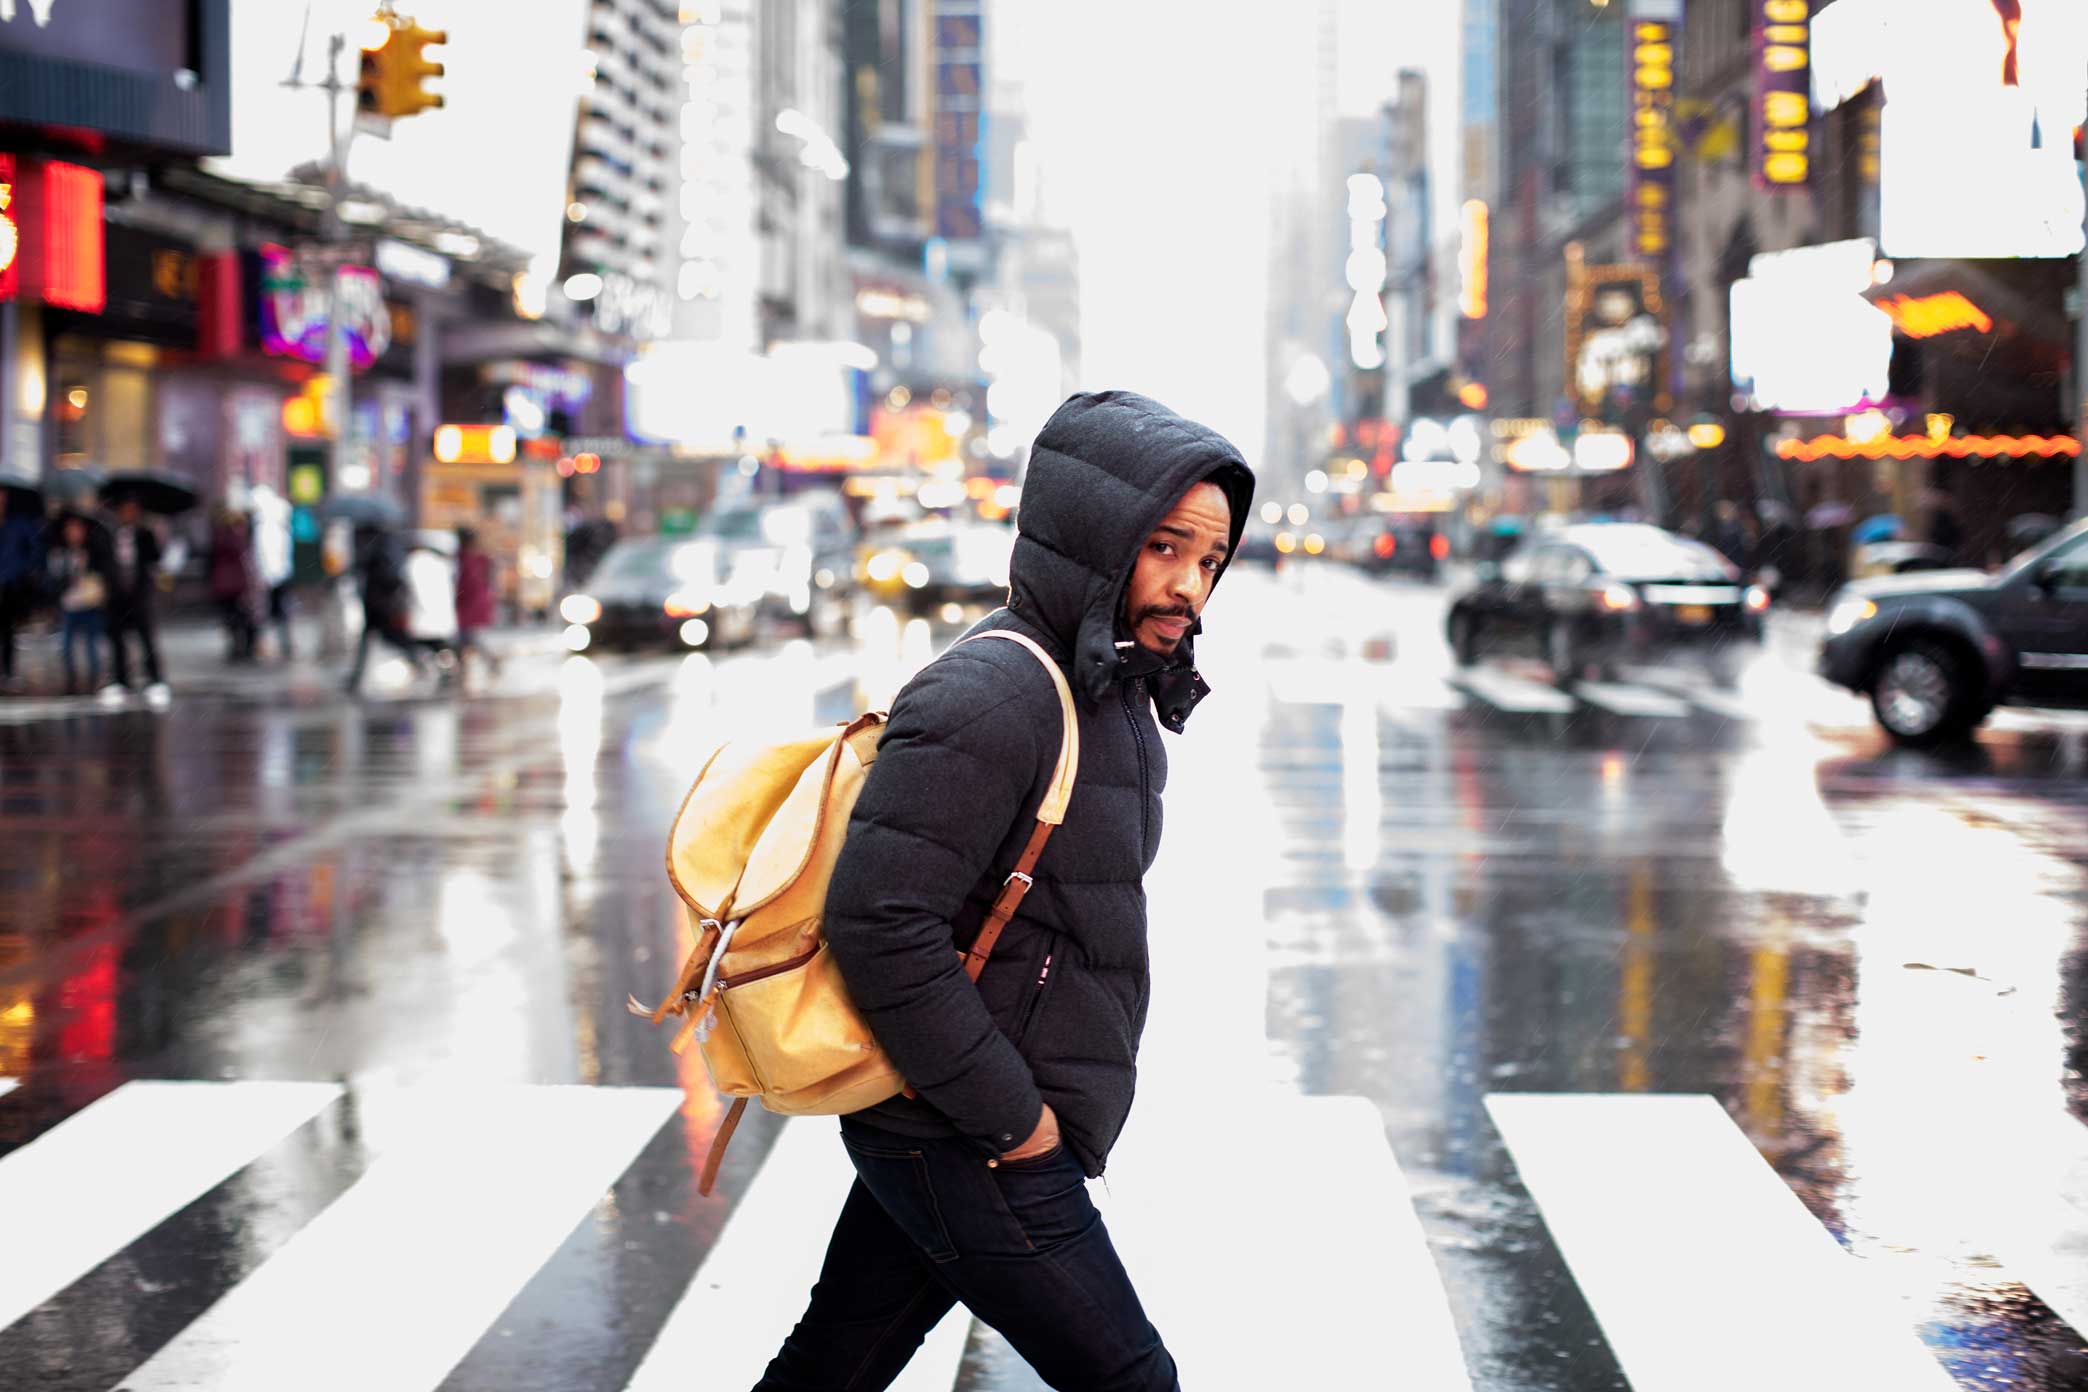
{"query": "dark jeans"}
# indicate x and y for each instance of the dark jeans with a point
(82, 627)
(15, 599)
(139, 621)
(397, 637)
(926, 1225)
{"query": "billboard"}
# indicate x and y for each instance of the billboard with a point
(1981, 99)
(149, 73)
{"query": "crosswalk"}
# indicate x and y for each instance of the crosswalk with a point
(1769, 698)
(1702, 1269)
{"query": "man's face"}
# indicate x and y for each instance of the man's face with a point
(128, 512)
(1176, 568)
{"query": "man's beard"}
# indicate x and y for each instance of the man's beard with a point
(1165, 611)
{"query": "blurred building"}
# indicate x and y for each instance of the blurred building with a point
(1308, 294)
(621, 249)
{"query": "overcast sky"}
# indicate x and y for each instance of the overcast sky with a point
(1157, 122)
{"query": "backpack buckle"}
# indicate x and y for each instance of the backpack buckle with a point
(1014, 875)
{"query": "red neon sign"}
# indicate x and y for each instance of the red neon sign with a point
(51, 234)
(10, 233)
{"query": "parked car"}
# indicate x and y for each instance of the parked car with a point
(660, 592)
(1938, 650)
(1409, 545)
(930, 564)
(1588, 597)
(797, 555)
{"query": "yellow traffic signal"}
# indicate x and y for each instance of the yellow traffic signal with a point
(410, 68)
(394, 68)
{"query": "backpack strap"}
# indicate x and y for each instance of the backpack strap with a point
(712, 1161)
(1051, 813)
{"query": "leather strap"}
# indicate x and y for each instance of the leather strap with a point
(712, 1161)
(1006, 903)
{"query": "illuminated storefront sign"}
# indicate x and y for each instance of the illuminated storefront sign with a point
(1472, 251)
(1930, 315)
(1650, 190)
(1783, 93)
(1980, 101)
(294, 304)
(1616, 337)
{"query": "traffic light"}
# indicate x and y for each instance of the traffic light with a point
(394, 69)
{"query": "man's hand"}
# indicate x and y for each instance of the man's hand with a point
(1041, 1141)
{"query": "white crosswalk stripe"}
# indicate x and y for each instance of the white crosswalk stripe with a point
(8, 1085)
(1516, 695)
(480, 1190)
(99, 1180)
(1344, 1248)
(1622, 699)
(753, 1283)
(1703, 1268)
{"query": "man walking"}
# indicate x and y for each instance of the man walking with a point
(136, 551)
(973, 1189)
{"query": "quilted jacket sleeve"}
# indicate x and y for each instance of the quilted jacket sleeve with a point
(953, 776)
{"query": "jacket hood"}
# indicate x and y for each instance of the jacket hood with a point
(1103, 472)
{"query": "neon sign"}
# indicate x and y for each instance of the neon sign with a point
(10, 235)
(1651, 195)
(1473, 246)
(1783, 98)
(294, 304)
(1930, 315)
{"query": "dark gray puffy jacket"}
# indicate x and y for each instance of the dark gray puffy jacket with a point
(944, 816)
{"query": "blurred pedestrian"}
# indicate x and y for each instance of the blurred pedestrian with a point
(273, 568)
(21, 578)
(81, 576)
(135, 556)
(431, 595)
(1728, 536)
(233, 583)
(1776, 550)
(973, 1190)
(1946, 532)
(475, 599)
(380, 573)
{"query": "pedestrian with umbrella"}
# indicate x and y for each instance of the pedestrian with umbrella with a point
(380, 568)
(137, 553)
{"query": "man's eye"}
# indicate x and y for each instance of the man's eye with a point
(1161, 548)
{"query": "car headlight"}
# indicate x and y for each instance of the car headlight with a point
(1849, 613)
(579, 609)
(687, 604)
(915, 575)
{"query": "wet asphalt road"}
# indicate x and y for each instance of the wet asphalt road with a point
(1425, 889)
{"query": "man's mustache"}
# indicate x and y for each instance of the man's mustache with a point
(1163, 612)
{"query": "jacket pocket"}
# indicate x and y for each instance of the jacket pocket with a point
(1039, 987)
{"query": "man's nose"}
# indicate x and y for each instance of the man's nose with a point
(1188, 584)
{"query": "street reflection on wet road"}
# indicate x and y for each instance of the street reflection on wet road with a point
(1382, 879)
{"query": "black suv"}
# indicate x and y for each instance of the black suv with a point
(1937, 651)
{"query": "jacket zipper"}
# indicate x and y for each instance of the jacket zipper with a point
(1145, 793)
(1034, 1006)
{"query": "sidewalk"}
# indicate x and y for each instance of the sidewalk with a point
(193, 661)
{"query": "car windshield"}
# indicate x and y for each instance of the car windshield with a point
(2023, 560)
(645, 560)
(1631, 552)
(739, 524)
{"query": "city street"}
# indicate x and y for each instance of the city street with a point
(1637, 1034)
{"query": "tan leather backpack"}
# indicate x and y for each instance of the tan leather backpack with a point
(750, 854)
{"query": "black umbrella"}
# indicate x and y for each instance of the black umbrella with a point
(73, 487)
(362, 509)
(20, 497)
(158, 493)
